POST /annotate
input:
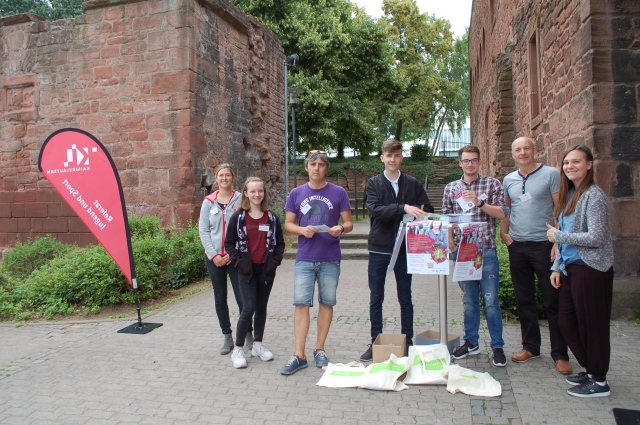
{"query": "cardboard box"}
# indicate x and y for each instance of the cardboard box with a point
(433, 337)
(387, 344)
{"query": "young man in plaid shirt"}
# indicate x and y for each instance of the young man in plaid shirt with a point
(487, 196)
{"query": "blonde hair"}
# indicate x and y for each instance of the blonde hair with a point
(245, 203)
(222, 167)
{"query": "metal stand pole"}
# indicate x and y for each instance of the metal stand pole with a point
(442, 293)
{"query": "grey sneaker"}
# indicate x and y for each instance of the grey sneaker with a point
(467, 349)
(295, 364)
(590, 389)
(578, 379)
(367, 356)
(321, 357)
(227, 345)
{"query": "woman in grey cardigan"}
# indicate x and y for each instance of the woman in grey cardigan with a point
(583, 272)
(217, 209)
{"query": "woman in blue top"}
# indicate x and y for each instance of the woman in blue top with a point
(583, 272)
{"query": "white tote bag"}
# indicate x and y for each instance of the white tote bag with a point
(472, 383)
(386, 375)
(428, 364)
(338, 375)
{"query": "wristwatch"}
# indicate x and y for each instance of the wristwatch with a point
(481, 204)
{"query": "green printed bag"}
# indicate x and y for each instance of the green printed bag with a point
(472, 383)
(428, 365)
(386, 375)
(338, 375)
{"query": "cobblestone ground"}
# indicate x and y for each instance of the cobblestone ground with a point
(87, 373)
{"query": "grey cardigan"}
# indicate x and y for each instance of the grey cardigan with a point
(213, 223)
(591, 231)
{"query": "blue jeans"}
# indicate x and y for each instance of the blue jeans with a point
(489, 287)
(305, 276)
(377, 270)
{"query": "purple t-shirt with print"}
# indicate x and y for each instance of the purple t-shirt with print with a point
(315, 207)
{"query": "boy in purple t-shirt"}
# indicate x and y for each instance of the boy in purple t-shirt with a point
(317, 208)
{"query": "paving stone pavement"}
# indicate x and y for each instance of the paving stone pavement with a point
(87, 373)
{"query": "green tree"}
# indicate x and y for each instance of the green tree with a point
(52, 10)
(423, 47)
(455, 110)
(345, 69)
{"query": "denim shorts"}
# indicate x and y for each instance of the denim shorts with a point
(307, 273)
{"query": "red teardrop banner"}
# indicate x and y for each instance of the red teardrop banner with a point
(84, 174)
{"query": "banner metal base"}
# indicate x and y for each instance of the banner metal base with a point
(139, 328)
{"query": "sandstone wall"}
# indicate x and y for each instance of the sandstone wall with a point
(589, 91)
(171, 87)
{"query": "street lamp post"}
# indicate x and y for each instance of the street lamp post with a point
(293, 101)
(290, 61)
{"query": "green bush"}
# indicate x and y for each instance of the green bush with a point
(421, 152)
(188, 258)
(144, 227)
(86, 279)
(25, 258)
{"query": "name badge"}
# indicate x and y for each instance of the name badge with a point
(525, 197)
(263, 228)
(305, 209)
(483, 197)
(214, 211)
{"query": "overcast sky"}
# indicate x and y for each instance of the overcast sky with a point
(458, 12)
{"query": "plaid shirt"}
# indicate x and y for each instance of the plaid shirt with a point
(495, 196)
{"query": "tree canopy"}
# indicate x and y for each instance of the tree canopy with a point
(362, 79)
(52, 10)
(344, 71)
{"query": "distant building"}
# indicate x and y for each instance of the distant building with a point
(565, 72)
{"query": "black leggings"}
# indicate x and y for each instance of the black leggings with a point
(255, 296)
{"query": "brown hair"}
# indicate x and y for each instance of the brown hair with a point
(316, 154)
(566, 184)
(468, 148)
(392, 145)
(222, 167)
(245, 203)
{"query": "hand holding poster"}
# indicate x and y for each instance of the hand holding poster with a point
(427, 243)
(468, 265)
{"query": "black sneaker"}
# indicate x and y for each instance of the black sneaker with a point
(465, 350)
(590, 389)
(578, 379)
(367, 356)
(498, 358)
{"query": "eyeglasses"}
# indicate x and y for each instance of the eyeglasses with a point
(470, 161)
(317, 151)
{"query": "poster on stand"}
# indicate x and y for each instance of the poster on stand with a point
(427, 247)
(468, 265)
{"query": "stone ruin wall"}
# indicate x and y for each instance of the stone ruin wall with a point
(172, 88)
(589, 94)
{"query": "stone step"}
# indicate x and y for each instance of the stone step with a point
(347, 254)
(347, 243)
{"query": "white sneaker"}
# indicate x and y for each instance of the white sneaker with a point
(260, 350)
(237, 357)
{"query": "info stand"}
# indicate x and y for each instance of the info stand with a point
(428, 253)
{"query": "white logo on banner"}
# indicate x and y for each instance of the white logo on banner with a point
(80, 156)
